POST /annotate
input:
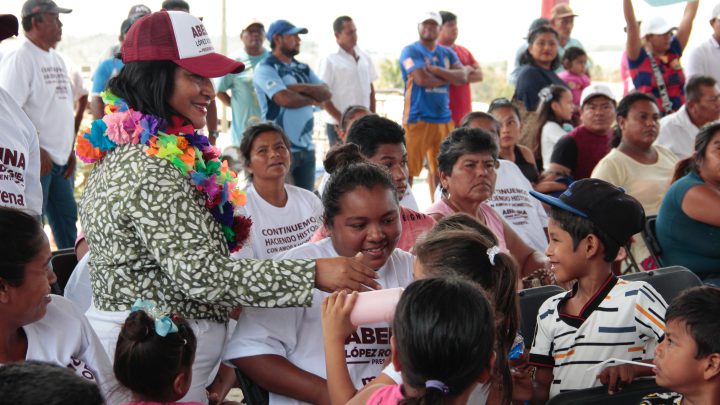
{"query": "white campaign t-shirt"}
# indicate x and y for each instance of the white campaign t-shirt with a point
(278, 229)
(38, 81)
(19, 159)
(296, 333)
(64, 337)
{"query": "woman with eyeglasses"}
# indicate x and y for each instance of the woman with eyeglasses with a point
(539, 63)
(467, 162)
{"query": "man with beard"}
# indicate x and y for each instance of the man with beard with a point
(242, 98)
(287, 91)
(428, 69)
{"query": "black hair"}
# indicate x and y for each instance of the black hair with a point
(543, 114)
(253, 132)
(27, 21)
(579, 228)
(35, 382)
(19, 247)
(694, 307)
(339, 22)
(479, 115)
(349, 169)
(694, 84)
(458, 244)
(147, 363)
(526, 57)
(371, 131)
(146, 86)
(462, 141)
(349, 113)
(702, 141)
(180, 5)
(447, 17)
(623, 109)
(431, 313)
(502, 102)
(572, 53)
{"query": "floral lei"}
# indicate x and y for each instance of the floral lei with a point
(185, 148)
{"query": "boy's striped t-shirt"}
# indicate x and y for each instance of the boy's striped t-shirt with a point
(625, 319)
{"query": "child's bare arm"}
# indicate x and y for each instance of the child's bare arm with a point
(541, 385)
(616, 377)
(336, 328)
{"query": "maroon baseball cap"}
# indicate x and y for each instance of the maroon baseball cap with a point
(179, 37)
(8, 26)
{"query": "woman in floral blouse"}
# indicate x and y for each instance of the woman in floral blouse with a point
(158, 207)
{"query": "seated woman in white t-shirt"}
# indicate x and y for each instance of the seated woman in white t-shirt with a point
(282, 349)
(35, 325)
(283, 216)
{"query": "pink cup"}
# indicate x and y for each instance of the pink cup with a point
(375, 306)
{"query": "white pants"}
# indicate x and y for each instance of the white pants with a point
(211, 337)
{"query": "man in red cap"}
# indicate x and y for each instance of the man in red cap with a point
(37, 78)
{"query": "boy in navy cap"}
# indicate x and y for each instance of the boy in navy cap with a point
(602, 317)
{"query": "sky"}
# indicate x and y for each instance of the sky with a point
(492, 30)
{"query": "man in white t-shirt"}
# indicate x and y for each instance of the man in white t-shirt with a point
(704, 58)
(19, 149)
(679, 129)
(36, 77)
(349, 74)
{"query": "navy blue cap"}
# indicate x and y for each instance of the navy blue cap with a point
(608, 207)
(283, 27)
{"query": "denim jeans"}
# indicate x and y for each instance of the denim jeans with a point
(59, 206)
(302, 170)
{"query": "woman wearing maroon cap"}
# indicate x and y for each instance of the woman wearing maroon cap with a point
(158, 207)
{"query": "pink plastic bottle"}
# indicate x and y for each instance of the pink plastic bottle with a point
(375, 306)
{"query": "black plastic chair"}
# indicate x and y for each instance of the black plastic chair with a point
(631, 394)
(63, 263)
(650, 237)
(530, 301)
(668, 281)
(253, 394)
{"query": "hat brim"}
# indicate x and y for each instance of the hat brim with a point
(563, 15)
(556, 202)
(296, 30)
(8, 26)
(211, 65)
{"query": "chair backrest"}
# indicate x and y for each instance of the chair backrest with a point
(650, 238)
(530, 301)
(631, 394)
(668, 281)
(63, 264)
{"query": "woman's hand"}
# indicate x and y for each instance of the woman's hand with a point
(338, 273)
(336, 316)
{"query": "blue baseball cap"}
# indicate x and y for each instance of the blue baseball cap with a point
(283, 27)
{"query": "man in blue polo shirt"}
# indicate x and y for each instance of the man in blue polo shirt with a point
(287, 91)
(428, 68)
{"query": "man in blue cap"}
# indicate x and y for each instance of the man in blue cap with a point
(287, 91)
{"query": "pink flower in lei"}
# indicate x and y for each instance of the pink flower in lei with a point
(123, 127)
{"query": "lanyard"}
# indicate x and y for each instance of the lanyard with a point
(667, 105)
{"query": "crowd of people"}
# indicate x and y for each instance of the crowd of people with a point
(185, 276)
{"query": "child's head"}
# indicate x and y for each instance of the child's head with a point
(574, 60)
(460, 245)
(154, 354)
(25, 270)
(361, 209)
(689, 354)
(382, 141)
(34, 382)
(590, 221)
(348, 117)
(443, 337)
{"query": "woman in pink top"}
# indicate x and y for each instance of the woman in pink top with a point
(467, 161)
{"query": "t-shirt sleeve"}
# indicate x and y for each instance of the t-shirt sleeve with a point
(529, 84)
(314, 79)
(410, 60)
(565, 152)
(263, 331)
(650, 309)
(267, 80)
(15, 77)
(225, 83)
(609, 170)
(541, 349)
(676, 47)
(101, 77)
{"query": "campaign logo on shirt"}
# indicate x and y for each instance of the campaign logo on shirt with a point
(368, 345)
(10, 159)
(81, 369)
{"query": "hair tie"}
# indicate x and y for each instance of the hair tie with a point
(492, 252)
(163, 323)
(546, 94)
(437, 385)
